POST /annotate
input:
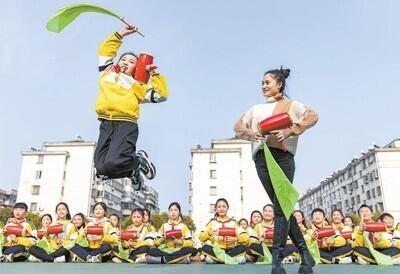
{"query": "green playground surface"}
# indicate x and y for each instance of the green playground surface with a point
(111, 268)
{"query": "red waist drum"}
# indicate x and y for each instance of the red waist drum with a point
(40, 234)
(55, 229)
(325, 232)
(15, 230)
(227, 231)
(268, 234)
(348, 235)
(275, 122)
(375, 227)
(128, 235)
(94, 230)
(173, 234)
(141, 74)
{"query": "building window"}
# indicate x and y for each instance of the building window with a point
(368, 195)
(362, 189)
(38, 174)
(33, 207)
(35, 190)
(213, 190)
(346, 203)
(349, 173)
(213, 158)
(212, 208)
(40, 159)
(373, 193)
(371, 159)
(355, 184)
(190, 200)
(358, 199)
(376, 175)
(213, 174)
(352, 201)
(378, 191)
(380, 206)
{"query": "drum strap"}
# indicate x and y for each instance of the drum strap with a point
(282, 106)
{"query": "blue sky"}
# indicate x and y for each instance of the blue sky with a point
(344, 57)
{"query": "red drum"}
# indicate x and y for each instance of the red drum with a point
(94, 230)
(14, 229)
(227, 231)
(173, 234)
(128, 235)
(348, 235)
(141, 74)
(275, 122)
(55, 229)
(325, 232)
(375, 227)
(40, 234)
(269, 234)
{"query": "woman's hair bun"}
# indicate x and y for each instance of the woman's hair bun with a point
(285, 72)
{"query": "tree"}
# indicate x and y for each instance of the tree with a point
(6, 213)
(158, 219)
(127, 221)
(357, 219)
(189, 222)
(34, 218)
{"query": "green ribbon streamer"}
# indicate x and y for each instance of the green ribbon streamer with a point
(381, 259)
(267, 259)
(45, 245)
(168, 250)
(221, 254)
(1, 244)
(66, 15)
(123, 253)
(314, 251)
(285, 192)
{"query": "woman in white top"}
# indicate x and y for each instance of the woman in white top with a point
(303, 117)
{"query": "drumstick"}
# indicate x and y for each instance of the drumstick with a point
(130, 25)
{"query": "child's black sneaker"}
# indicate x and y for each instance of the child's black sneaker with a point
(146, 166)
(136, 179)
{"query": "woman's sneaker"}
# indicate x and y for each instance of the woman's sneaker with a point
(146, 166)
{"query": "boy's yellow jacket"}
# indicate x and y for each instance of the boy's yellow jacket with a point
(29, 237)
(338, 240)
(120, 95)
(382, 242)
